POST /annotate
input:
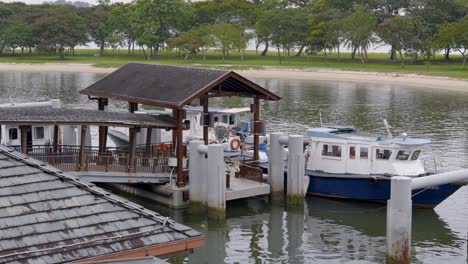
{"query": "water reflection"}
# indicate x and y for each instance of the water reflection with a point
(323, 231)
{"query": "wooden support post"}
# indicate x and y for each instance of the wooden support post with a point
(174, 131)
(56, 139)
(149, 135)
(256, 127)
(132, 107)
(179, 151)
(205, 116)
(24, 139)
(81, 158)
(102, 102)
(132, 149)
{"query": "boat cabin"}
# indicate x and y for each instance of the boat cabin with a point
(342, 151)
(10, 135)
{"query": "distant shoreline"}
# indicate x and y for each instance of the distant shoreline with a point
(315, 74)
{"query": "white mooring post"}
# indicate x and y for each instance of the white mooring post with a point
(276, 166)
(207, 178)
(399, 214)
(296, 170)
(399, 210)
(197, 177)
(216, 172)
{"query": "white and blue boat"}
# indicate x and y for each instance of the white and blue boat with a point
(343, 164)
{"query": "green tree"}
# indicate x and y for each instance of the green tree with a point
(428, 15)
(119, 22)
(197, 39)
(60, 29)
(156, 20)
(18, 35)
(398, 32)
(226, 37)
(358, 27)
(98, 27)
(454, 35)
(287, 29)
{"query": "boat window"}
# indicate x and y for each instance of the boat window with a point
(13, 133)
(352, 152)
(403, 155)
(415, 155)
(39, 132)
(383, 154)
(231, 120)
(364, 153)
(331, 150)
(225, 119)
(216, 119)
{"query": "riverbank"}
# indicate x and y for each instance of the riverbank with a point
(315, 74)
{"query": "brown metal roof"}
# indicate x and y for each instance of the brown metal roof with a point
(171, 86)
(62, 116)
(47, 216)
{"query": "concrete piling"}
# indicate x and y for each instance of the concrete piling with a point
(276, 167)
(207, 176)
(296, 170)
(216, 173)
(197, 176)
(399, 210)
(399, 214)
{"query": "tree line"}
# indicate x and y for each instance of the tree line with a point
(411, 28)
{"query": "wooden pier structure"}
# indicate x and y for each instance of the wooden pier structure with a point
(143, 163)
(176, 87)
(148, 85)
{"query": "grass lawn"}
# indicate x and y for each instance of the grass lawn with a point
(377, 62)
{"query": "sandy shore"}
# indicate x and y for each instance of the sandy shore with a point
(407, 80)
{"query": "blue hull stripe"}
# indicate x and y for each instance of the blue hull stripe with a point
(347, 187)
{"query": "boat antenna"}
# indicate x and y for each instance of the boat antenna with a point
(388, 132)
(320, 114)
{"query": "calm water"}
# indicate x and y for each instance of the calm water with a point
(324, 231)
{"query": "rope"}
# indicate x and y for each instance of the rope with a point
(418, 192)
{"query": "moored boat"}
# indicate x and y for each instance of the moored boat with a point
(344, 164)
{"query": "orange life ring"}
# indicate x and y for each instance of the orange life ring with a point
(163, 149)
(235, 144)
(213, 142)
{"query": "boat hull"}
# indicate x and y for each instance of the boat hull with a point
(372, 189)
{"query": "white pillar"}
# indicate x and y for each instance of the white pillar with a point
(196, 176)
(456, 177)
(399, 214)
(216, 172)
(296, 170)
(276, 167)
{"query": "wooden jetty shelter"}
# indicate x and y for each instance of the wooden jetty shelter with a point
(175, 87)
(48, 216)
(134, 163)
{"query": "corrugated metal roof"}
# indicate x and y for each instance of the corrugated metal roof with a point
(63, 116)
(47, 216)
(171, 86)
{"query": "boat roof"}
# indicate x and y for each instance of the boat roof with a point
(217, 110)
(350, 133)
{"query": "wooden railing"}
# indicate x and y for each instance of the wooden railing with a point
(67, 158)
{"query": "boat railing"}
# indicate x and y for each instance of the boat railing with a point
(431, 165)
